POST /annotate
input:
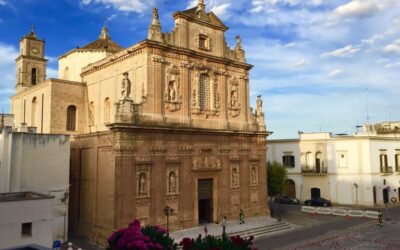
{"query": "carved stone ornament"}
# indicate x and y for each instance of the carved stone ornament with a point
(143, 183)
(235, 176)
(206, 163)
(143, 159)
(234, 98)
(125, 86)
(253, 174)
(207, 42)
(172, 181)
(172, 93)
(159, 59)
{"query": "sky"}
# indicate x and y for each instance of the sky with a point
(320, 65)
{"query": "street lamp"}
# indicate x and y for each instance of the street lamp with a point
(168, 211)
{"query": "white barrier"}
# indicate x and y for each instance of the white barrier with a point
(324, 210)
(339, 211)
(372, 214)
(356, 213)
(308, 209)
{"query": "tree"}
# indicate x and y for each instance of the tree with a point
(276, 178)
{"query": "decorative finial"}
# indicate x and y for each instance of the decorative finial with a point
(104, 33)
(32, 33)
(238, 42)
(155, 20)
(201, 7)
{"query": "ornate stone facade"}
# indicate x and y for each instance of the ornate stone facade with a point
(165, 122)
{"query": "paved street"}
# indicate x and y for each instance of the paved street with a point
(329, 232)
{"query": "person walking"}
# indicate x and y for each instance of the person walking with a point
(241, 217)
(223, 223)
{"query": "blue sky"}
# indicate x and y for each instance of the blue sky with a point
(319, 64)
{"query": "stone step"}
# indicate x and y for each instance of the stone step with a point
(262, 231)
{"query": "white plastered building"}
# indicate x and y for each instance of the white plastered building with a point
(38, 163)
(357, 169)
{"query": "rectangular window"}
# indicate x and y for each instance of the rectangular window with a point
(26, 229)
(288, 161)
(203, 42)
(204, 92)
(383, 163)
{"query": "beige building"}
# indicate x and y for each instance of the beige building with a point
(164, 122)
(359, 169)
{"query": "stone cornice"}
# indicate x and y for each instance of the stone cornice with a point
(43, 85)
(30, 58)
(147, 44)
(129, 127)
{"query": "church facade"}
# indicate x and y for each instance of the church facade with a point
(165, 122)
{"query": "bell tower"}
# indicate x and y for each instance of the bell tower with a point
(31, 65)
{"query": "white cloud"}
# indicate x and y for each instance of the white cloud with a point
(335, 72)
(3, 2)
(393, 47)
(220, 10)
(393, 65)
(356, 9)
(137, 6)
(344, 52)
(315, 2)
(7, 54)
(299, 64)
(290, 45)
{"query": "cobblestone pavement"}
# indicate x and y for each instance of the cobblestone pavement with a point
(366, 236)
(334, 233)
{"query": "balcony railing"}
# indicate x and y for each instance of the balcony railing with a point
(313, 170)
(386, 170)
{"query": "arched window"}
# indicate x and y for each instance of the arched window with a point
(107, 110)
(33, 111)
(71, 118)
(66, 73)
(33, 76)
(204, 92)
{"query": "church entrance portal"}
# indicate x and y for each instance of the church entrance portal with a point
(205, 206)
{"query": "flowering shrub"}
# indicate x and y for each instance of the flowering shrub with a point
(213, 243)
(135, 237)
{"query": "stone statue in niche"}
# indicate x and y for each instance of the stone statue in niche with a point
(171, 91)
(172, 182)
(233, 98)
(235, 177)
(142, 184)
(125, 86)
(233, 103)
(172, 97)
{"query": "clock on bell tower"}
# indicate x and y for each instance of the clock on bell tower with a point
(31, 64)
